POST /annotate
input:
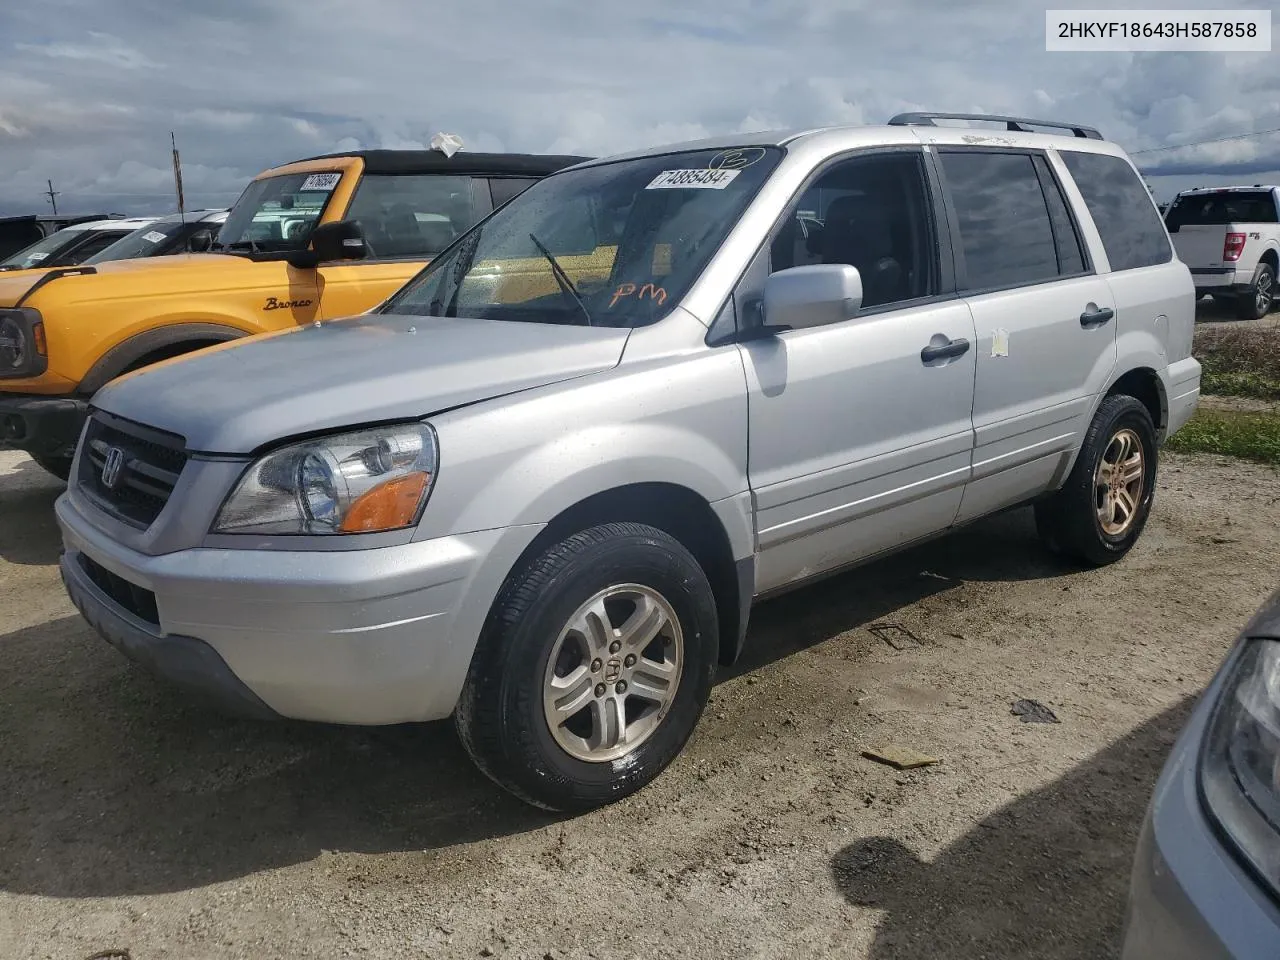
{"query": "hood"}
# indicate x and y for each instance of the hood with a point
(238, 397)
(178, 273)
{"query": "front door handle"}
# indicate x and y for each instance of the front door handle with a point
(1094, 315)
(944, 351)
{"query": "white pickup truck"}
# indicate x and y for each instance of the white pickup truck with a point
(1230, 238)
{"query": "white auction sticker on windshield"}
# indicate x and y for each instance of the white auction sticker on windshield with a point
(692, 179)
(38, 256)
(321, 181)
(154, 236)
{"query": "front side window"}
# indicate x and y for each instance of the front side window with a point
(44, 250)
(871, 213)
(1121, 206)
(278, 213)
(1005, 229)
(412, 215)
(617, 244)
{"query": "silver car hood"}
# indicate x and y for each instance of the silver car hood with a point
(241, 396)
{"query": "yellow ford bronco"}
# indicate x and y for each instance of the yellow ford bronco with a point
(320, 238)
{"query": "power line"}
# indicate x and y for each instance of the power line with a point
(1201, 143)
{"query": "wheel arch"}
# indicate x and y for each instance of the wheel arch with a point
(1144, 385)
(152, 346)
(1271, 256)
(684, 515)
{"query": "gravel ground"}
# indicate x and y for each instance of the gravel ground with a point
(133, 820)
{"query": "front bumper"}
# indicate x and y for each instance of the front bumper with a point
(373, 636)
(46, 426)
(1189, 896)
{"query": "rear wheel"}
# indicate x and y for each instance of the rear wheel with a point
(1101, 510)
(60, 467)
(1261, 296)
(593, 668)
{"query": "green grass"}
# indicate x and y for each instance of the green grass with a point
(1249, 436)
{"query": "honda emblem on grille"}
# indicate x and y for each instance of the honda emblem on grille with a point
(111, 467)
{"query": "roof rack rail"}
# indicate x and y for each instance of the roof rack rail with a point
(1020, 124)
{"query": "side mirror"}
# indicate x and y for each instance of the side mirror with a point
(340, 240)
(813, 296)
(201, 241)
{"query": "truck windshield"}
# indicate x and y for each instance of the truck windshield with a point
(277, 213)
(1219, 209)
(617, 244)
(149, 241)
(40, 251)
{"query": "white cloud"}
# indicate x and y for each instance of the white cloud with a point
(89, 91)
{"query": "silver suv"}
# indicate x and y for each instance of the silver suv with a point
(539, 488)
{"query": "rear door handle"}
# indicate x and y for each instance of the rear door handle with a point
(1094, 315)
(944, 351)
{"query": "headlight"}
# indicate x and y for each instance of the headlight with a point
(362, 482)
(1240, 768)
(22, 345)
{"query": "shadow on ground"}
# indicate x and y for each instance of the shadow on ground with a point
(1047, 876)
(28, 530)
(118, 785)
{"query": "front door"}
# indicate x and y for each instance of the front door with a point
(860, 440)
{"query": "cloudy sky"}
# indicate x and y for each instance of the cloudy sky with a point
(89, 89)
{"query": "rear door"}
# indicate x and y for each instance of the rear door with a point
(1046, 343)
(407, 219)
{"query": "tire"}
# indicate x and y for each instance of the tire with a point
(60, 467)
(1261, 297)
(1069, 522)
(502, 718)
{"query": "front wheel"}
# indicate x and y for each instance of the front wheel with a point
(593, 668)
(1101, 510)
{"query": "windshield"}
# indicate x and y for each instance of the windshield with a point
(612, 245)
(277, 213)
(149, 241)
(41, 250)
(1219, 209)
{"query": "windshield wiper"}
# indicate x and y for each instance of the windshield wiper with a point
(562, 279)
(461, 266)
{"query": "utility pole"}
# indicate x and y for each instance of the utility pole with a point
(53, 196)
(177, 177)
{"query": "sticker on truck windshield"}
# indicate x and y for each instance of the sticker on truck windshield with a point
(154, 236)
(695, 179)
(321, 181)
(37, 256)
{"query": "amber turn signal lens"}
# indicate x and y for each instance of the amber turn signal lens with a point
(37, 335)
(387, 507)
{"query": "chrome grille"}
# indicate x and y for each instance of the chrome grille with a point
(129, 470)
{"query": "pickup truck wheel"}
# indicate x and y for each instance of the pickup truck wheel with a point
(1260, 298)
(1100, 511)
(592, 669)
(60, 467)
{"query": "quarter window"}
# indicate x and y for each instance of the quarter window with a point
(1005, 229)
(1121, 206)
(412, 215)
(504, 188)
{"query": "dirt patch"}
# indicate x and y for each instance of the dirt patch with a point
(133, 819)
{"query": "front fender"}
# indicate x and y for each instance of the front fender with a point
(124, 354)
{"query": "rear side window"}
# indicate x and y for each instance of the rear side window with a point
(1132, 232)
(1005, 230)
(1219, 209)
